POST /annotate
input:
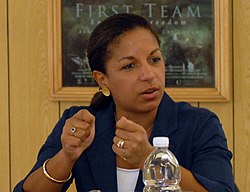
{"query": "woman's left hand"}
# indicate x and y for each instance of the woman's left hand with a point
(134, 145)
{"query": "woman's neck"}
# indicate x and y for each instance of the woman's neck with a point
(146, 120)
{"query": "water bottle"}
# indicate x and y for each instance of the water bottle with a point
(161, 172)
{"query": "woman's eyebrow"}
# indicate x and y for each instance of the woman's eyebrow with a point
(131, 57)
(155, 50)
(126, 58)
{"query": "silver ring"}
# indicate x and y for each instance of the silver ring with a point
(120, 144)
(73, 130)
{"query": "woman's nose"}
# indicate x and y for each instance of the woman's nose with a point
(146, 72)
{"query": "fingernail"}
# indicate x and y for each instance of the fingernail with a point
(123, 117)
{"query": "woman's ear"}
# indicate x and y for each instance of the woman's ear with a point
(99, 78)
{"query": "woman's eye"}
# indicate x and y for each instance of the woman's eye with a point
(155, 60)
(129, 66)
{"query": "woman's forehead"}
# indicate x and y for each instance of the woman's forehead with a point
(132, 36)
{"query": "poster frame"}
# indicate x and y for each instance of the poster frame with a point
(221, 92)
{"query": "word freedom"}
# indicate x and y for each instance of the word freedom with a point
(104, 11)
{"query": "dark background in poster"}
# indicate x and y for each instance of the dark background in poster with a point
(185, 27)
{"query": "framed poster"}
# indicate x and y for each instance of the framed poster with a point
(195, 41)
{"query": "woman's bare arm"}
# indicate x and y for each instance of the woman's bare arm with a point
(189, 183)
(57, 167)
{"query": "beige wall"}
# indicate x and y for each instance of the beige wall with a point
(4, 102)
(241, 100)
(27, 114)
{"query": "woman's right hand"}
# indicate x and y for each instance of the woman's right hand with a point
(74, 143)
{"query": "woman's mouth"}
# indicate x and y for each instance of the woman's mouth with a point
(150, 93)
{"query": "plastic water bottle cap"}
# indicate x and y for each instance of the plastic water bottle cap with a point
(160, 141)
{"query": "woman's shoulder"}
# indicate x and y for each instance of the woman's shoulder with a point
(194, 114)
(185, 107)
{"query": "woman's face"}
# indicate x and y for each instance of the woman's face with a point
(136, 71)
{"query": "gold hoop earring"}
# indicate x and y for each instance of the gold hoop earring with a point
(105, 91)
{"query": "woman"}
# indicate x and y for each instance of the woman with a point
(95, 145)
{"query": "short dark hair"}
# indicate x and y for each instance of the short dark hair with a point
(105, 33)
